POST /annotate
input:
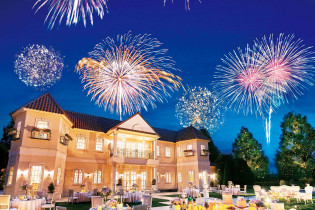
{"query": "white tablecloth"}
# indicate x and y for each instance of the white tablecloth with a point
(134, 197)
(83, 197)
(192, 192)
(28, 205)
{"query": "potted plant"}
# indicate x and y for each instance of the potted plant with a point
(51, 190)
(154, 184)
(26, 188)
(119, 183)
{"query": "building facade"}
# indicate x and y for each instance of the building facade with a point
(73, 149)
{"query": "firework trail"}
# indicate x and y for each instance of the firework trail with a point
(129, 73)
(72, 10)
(38, 66)
(187, 3)
(200, 108)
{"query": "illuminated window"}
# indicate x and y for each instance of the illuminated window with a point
(36, 174)
(143, 178)
(189, 147)
(157, 150)
(97, 179)
(10, 175)
(168, 178)
(157, 176)
(180, 177)
(99, 144)
(18, 130)
(191, 177)
(179, 152)
(167, 152)
(77, 177)
(58, 175)
(81, 142)
(41, 124)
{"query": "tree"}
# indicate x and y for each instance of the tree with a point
(214, 152)
(246, 147)
(297, 142)
(6, 138)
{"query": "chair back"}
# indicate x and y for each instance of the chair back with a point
(223, 187)
(97, 201)
(147, 200)
(121, 191)
(245, 188)
(257, 188)
(40, 194)
(5, 202)
(95, 191)
(140, 207)
(71, 192)
(309, 190)
(238, 186)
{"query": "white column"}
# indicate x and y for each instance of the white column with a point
(154, 148)
(114, 177)
(115, 143)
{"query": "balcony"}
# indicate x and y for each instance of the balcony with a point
(188, 153)
(204, 152)
(65, 139)
(128, 153)
(43, 134)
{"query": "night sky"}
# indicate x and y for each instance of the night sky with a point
(196, 40)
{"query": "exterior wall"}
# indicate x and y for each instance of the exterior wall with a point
(51, 154)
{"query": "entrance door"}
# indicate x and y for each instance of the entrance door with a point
(130, 177)
(36, 177)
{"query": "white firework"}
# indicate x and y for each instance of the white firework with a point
(200, 108)
(39, 67)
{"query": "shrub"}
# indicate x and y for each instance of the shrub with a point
(282, 182)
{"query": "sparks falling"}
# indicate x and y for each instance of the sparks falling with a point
(128, 73)
(73, 10)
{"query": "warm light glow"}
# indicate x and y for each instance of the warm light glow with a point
(212, 176)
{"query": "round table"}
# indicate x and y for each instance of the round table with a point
(192, 192)
(27, 204)
(134, 197)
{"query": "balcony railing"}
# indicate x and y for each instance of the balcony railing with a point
(41, 134)
(129, 153)
(204, 152)
(188, 153)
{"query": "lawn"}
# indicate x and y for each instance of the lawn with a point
(86, 206)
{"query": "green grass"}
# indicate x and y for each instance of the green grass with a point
(172, 196)
(156, 202)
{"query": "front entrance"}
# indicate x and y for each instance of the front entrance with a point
(131, 177)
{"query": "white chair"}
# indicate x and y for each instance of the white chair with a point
(96, 201)
(238, 186)
(40, 194)
(147, 200)
(71, 196)
(51, 204)
(61, 208)
(244, 192)
(307, 195)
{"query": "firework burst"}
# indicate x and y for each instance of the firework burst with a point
(200, 108)
(38, 66)
(128, 73)
(187, 3)
(73, 10)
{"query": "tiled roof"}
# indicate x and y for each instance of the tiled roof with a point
(101, 124)
(45, 103)
(190, 133)
(90, 122)
(166, 135)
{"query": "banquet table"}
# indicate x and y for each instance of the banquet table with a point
(192, 192)
(27, 204)
(232, 190)
(83, 196)
(134, 197)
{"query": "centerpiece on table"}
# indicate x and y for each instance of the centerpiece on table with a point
(257, 204)
(176, 203)
(82, 187)
(112, 204)
(26, 188)
(105, 192)
(135, 186)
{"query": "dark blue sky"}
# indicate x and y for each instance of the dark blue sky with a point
(196, 40)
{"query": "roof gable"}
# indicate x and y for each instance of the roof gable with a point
(136, 123)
